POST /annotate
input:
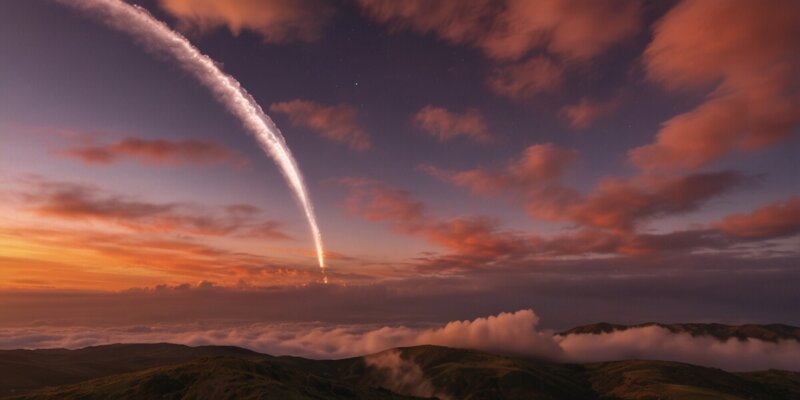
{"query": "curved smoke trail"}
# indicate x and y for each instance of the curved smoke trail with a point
(158, 38)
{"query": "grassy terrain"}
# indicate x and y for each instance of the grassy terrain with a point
(128, 372)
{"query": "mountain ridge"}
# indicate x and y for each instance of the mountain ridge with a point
(402, 373)
(765, 332)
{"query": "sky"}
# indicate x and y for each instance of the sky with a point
(622, 161)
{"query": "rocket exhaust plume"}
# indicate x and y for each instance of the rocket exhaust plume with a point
(158, 38)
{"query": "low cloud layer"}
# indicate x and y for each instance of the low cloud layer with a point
(506, 333)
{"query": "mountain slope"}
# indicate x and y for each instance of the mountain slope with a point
(22, 370)
(407, 373)
(214, 378)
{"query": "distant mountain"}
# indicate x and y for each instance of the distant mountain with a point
(770, 332)
(404, 373)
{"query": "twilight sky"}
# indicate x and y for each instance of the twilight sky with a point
(623, 161)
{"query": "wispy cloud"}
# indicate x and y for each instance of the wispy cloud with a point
(446, 125)
(338, 123)
(152, 152)
(274, 20)
(77, 202)
(748, 56)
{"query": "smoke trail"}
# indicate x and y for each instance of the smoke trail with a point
(158, 38)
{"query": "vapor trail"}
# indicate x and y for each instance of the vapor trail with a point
(158, 38)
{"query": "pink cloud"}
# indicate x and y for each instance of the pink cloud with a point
(152, 152)
(445, 125)
(581, 114)
(77, 202)
(572, 29)
(747, 53)
(512, 29)
(525, 79)
(337, 123)
(534, 41)
(775, 220)
(539, 164)
(614, 203)
(274, 20)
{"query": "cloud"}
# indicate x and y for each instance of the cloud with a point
(571, 29)
(152, 152)
(76, 202)
(478, 238)
(525, 79)
(530, 43)
(537, 165)
(614, 203)
(581, 114)
(514, 333)
(337, 123)
(607, 220)
(512, 29)
(656, 343)
(748, 56)
(620, 204)
(445, 125)
(780, 219)
(453, 21)
(403, 376)
(274, 20)
(83, 259)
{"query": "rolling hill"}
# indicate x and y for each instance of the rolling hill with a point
(166, 371)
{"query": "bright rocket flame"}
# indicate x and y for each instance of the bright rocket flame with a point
(157, 37)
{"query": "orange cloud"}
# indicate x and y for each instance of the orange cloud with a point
(538, 165)
(474, 242)
(584, 112)
(517, 33)
(571, 29)
(474, 237)
(446, 125)
(453, 21)
(775, 220)
(525, 79)
(78, 202)
(153, 152)
(87, 259)
(275, 21)
(337, 123)
(748, 53)
(614, 203)
(620, 203)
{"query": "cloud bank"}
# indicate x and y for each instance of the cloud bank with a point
(506, 333)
